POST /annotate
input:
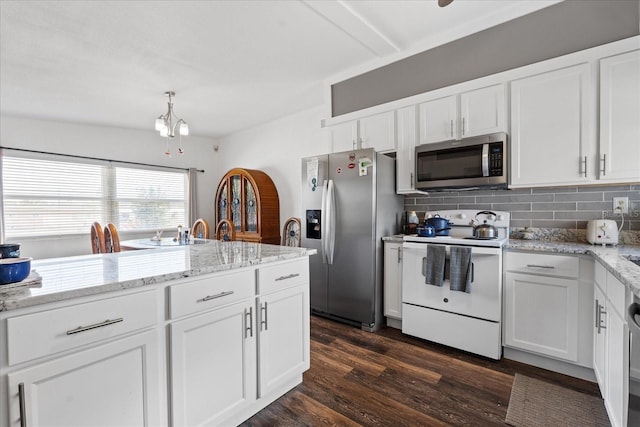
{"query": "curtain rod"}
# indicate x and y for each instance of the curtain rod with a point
(96, 158)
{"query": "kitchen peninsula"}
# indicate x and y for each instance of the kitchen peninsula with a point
(201, 334)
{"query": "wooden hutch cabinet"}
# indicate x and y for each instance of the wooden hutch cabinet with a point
(249, 199)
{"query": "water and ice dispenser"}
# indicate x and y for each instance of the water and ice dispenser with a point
(314, 230)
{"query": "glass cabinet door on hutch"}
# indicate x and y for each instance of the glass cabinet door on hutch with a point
(249, 199)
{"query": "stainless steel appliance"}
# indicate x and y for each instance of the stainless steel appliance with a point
(470, 320)
(349, 203)
(475, 162)
(633, 319)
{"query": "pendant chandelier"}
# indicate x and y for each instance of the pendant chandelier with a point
(168, 123)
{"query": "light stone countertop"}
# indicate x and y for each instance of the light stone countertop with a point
(72, 277)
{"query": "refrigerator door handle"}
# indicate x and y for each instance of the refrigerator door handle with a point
(323, 223)
(331, 221)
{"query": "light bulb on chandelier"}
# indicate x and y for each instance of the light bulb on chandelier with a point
(167, 123)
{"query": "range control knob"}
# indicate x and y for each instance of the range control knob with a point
(462, 216)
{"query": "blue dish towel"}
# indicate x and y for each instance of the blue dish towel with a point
(433, 265)
(460, 269)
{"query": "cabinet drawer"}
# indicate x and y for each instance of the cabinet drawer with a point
(280, 276)
(48, 332)
(549, 265)
(210, 292)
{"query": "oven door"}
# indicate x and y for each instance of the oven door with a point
(482, 302)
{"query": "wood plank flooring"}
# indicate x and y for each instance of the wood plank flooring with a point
(386, 378)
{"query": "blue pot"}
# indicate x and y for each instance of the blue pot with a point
(14, 270)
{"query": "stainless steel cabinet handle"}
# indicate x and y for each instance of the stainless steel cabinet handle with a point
(263, 318)
(249, 323)
(23, 412)
(220, 295)
(399, 255)
(604, 164)
(94, 326)
(597, 314)
(463, 125)
(290, 276)
(451, 128)
(584, 162)
(601, 311)
(540, 266)
(411, 179)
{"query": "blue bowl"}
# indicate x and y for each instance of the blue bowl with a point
(14, 270)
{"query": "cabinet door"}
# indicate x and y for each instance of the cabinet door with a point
(619, 112)
(438, 120)
(378, 132)
(213, 365)
(482, 111)
(115, 384)
(344, 136)
(551, 135)
(617, 368)
(600, 339)
(393, 280)
(405, 154)
(542, 315)
(283, 341)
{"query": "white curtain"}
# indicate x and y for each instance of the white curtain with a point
(193, 211)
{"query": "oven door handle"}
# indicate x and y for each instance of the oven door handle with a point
(634, 310)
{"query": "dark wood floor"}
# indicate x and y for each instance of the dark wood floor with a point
(386, 378)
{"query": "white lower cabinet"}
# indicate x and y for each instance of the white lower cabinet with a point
(611, 345)
(283, 337)
(233, 345)
(213, 365)
(115, 384)
(97, 362)
(393, 280)
(545, 302)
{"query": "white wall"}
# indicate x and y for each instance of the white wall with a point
(109, 143)
(277, 148)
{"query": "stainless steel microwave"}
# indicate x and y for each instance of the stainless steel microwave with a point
(477, 162)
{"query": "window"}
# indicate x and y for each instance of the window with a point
(45, 197)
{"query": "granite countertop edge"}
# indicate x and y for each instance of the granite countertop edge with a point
(22, 297)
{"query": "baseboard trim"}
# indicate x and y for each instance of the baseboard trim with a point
(550, 364)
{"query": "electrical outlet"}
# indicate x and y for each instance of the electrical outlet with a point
(621, 205)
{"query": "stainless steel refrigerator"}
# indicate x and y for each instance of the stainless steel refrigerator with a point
(349, 203)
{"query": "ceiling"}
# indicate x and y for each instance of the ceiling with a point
(232, 64)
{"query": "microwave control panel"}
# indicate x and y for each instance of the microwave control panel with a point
(495, 159)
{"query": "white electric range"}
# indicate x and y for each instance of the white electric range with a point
(471, 320)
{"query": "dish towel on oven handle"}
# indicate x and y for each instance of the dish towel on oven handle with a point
(433, 265)
(460, 269)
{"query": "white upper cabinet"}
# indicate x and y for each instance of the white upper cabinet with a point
(476, 112)
(438, 120)
(344, 136)
(619, 148)
(377, 131)
(551, 131)
(405, 155)
(482, 111)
